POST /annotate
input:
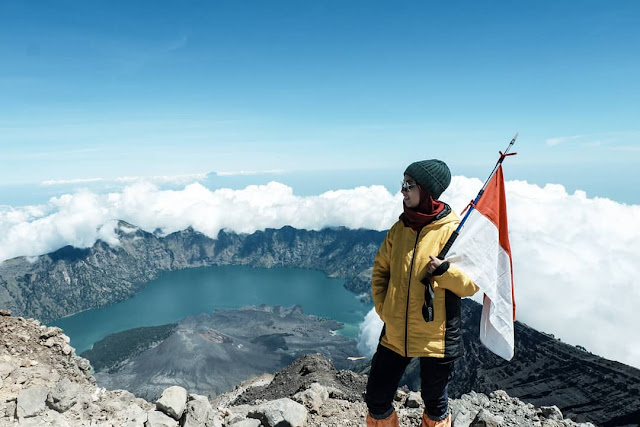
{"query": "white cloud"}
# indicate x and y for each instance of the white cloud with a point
(575, 258)
(71, 181)
(370, 330)
(157, 179)
(164, 179)
(560, 139)
(234, 173)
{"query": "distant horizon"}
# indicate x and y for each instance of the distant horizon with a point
(318, 181)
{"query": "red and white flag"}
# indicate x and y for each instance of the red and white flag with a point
(482, 250)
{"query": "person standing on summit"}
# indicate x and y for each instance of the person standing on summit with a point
(406, 257)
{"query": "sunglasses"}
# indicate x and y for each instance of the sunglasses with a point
(406, 186)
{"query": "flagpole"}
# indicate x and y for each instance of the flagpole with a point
(472, 205)
(427, 307)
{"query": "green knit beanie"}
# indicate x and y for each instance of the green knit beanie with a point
(432, 175)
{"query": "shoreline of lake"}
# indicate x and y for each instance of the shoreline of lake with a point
(182, 293)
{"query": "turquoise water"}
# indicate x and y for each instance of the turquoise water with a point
(178, 294)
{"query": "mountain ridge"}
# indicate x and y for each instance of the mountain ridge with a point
(71, 280)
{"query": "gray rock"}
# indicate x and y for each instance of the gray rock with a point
(400, 395)
(6, 369)
(9, 410)
(173, 402)
(63, 396)
(31, 401)
(159, 419)
(6, 313)
(551, 412)
(67, 349)
(250, 422)
(83, 364)
(284, 411)
(312, 398)
(414, 400)
(500, 396)
(199, 412)
(487, 419)
(238, 413)
(463, 413)
(49, 332)
(133, 416)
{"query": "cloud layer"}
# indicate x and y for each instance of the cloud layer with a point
(575, 258)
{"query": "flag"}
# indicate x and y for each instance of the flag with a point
(483, 252)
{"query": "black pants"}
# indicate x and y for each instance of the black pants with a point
(387, 368)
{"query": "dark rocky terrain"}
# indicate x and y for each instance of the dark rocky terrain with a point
(210, 354)
(71, 280)
(44, 384)
(544, 371)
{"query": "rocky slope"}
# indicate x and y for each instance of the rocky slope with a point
(71, 280)
(210, 354)
(43, 383)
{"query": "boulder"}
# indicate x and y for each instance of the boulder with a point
(463, 413)
(9, 409)
(173, 402)
(313, 397)
(250, 422)
(63, 396)
(237, 413)
(199, 413)
(159, 419)
(551, 412)
(133, 416)
(487, 419)
(284, 411)
(400, 395)
(48, 332)
(414, 400)
(31, 401)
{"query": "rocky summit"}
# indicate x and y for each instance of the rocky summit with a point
(43, 383)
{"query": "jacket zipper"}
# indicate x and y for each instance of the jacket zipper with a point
(406, 315)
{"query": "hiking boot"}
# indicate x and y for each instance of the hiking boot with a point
(428, 422)
(390, 421)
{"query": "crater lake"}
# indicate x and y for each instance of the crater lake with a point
(178, 294)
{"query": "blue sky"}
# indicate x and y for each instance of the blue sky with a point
(111, 89)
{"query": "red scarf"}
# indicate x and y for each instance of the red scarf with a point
(425, 213)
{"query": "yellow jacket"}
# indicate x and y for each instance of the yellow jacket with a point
(398, 293)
